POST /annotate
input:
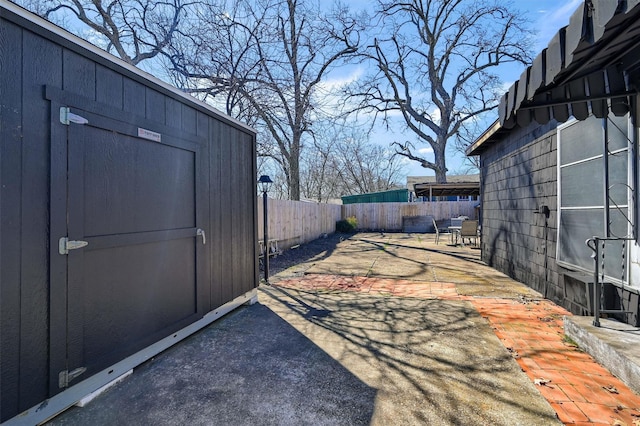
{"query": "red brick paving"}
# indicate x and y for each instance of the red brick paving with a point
(580, 390)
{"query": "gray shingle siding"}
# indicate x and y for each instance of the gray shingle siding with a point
(519, 175)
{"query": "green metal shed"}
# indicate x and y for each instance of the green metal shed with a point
(391, 196)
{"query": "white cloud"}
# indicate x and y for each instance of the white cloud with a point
(336, 82)
(425, 150)
(329, 90)
(435, 115)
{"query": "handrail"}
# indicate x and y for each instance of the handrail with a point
(598, 297)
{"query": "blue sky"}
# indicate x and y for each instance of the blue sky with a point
(547, 17)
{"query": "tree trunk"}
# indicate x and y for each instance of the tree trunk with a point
(294, 174)
(440, 160)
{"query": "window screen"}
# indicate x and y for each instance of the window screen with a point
(582, 194)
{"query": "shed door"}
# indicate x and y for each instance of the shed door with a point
(134, 200)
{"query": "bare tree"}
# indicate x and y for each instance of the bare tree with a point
(319, 169)
(466, 135)
(318, 173)
(134, 30)
(280, 51)
(345, 162)
(215, 58)
(365, 167)
(433, 65)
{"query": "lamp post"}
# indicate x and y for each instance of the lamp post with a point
(264, 183)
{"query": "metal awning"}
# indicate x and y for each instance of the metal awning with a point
(447, 189)
(590, 66)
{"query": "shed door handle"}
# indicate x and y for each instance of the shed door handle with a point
(200, 231)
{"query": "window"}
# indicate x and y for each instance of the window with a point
(583, 157)
(467, 197)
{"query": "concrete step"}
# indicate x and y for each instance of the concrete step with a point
(615, 345)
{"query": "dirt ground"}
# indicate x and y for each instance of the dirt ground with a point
(303, 256)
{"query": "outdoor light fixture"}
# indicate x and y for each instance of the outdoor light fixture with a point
(264, 184)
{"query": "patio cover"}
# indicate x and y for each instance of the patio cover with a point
(584, 64)
(447, 189)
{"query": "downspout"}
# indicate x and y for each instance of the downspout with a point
(605, 149)
(544, 210)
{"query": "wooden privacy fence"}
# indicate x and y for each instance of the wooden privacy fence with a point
(296, 222)
(388, 216)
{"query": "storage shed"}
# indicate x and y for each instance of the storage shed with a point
(128, 216)
(390, 196)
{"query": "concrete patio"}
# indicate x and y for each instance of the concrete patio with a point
(381, 329)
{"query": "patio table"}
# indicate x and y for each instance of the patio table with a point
(454, 230)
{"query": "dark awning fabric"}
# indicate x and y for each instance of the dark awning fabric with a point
(590, 66)
(447, 189)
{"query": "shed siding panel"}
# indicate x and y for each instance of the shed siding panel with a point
(34, 370)
(173, 113)
(226, 216)
(155, 108)
(249, 195)
(109, 87)
(246, 198)
(251, 272)
(236, 200)
(235, 176)
(241, 178)
(79, 74)
(215, 208)
(134, 97)
(188, 119)
(202, 125)
(10, 247)
(203, 217)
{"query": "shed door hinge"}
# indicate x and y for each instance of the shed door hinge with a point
(65, 376)
(66, 117)
(64, 245)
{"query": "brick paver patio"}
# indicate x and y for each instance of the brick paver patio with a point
(576, 386)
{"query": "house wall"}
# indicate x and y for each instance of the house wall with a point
(38, 65)
(518, 176)
(416, 199)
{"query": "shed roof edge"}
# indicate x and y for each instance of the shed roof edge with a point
(66, 35)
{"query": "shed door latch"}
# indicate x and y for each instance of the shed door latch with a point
(203, 235)
(64, 245)
(65, 376)
(67, 117)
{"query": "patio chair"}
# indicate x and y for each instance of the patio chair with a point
(469, 230)
(435, 226)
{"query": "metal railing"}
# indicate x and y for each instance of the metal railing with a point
(597, 245)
